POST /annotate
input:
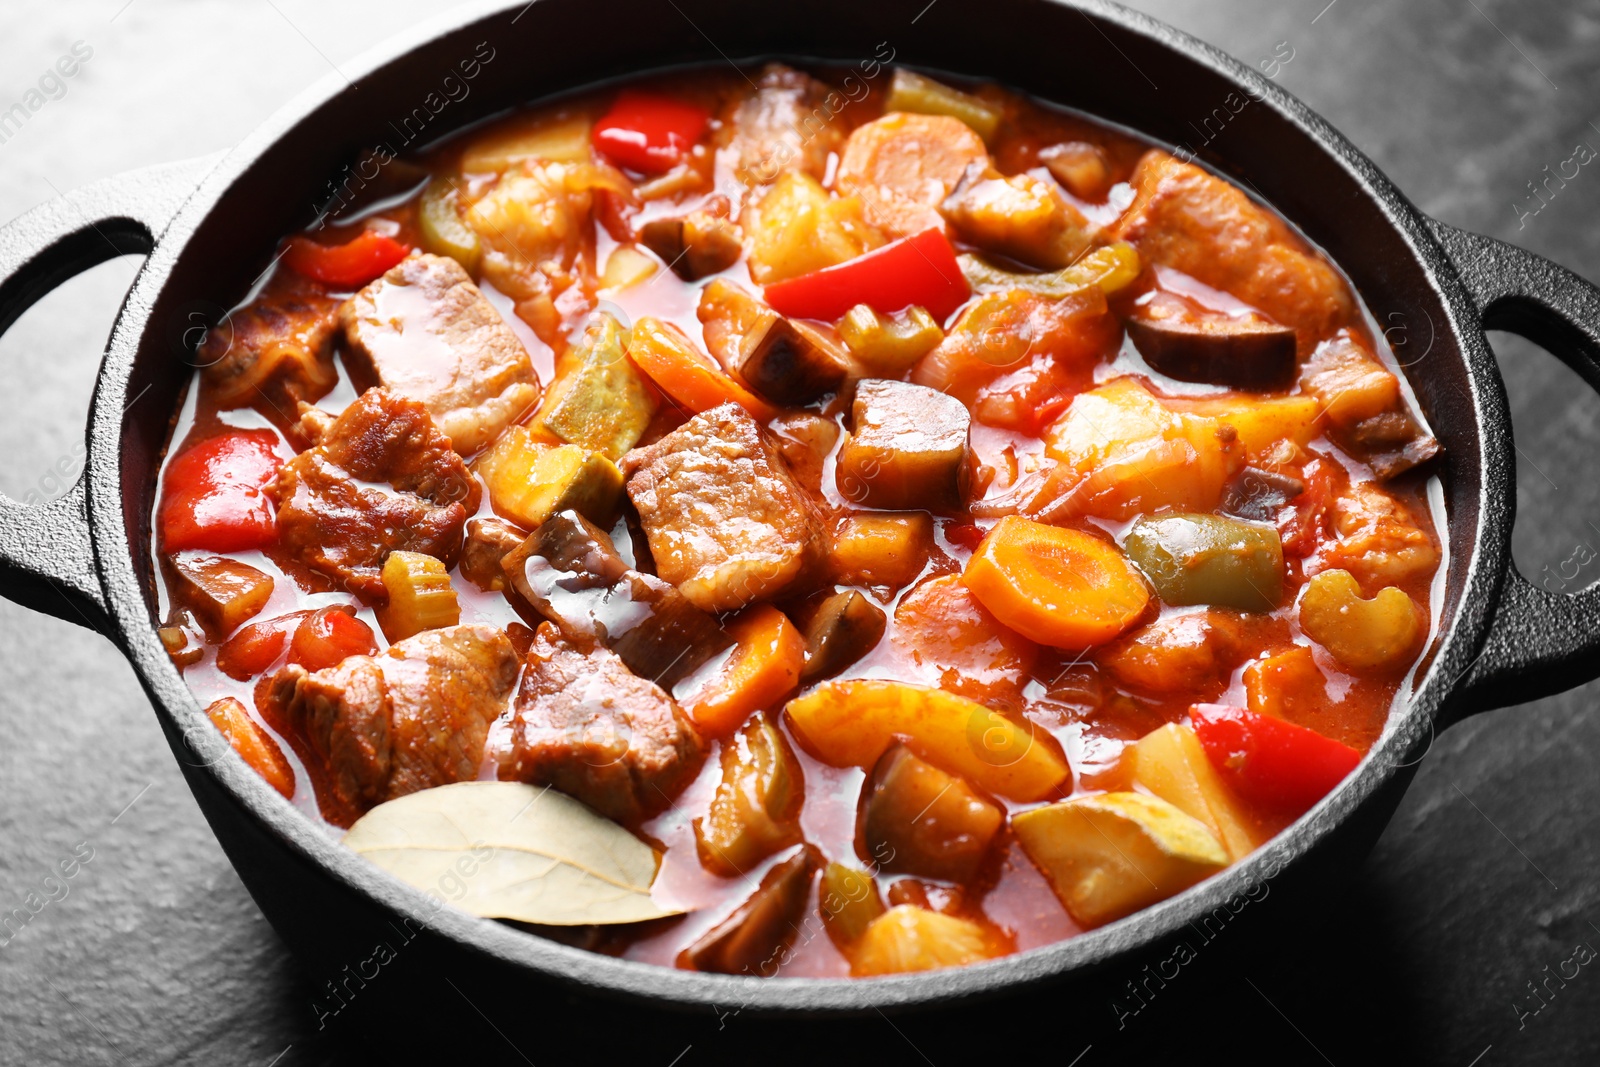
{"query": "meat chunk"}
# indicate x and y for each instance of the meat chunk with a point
(488, 542)
(382, 479)
(907, 448)
(1194, 653)
(278, 349)
(412, 717)
(903, 165)
(727, 522)
(784, 127)
(1379, 541)
(426, 332)
(1184, 218)
(586, 725)
(1367, 415)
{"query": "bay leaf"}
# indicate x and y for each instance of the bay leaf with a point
(504, 850)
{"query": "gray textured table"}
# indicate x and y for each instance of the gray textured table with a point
(1489, 874)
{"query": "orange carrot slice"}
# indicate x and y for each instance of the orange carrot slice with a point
(685, 373)
(1060, 587)
(764, 667)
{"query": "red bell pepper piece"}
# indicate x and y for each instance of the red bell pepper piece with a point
(214, 497)
(1269, 761)
(327, 636)
(347, 266)
(920, 270)
(258, 646)
(649, 134)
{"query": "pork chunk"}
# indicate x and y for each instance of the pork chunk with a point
(727, 522)
(412, 717)
(785, 126)
(1182, 217)
(586, 725)
(382, 479)
(426, 332)
(278, 349)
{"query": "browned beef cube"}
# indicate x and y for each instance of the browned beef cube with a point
(586, 725)
(383, 479)
(906, 448)
(784, 126)
(425, 331)
(488, 542)
(278, 349)
(412, 717)
(727, 522)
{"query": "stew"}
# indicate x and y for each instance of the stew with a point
(923, 525)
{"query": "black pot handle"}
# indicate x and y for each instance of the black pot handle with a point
(1539, 642)
(46, 551)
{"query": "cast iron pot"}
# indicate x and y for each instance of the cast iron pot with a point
(209, 227)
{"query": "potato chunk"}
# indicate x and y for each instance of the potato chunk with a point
(222, 593)
(1107, 856)
(852, 723)
(1131, 454)
(907, 938)
(923, 821)
(1171, 764)
(800, 228)
(906, 450)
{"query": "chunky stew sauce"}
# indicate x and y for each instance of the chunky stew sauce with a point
(935, 523)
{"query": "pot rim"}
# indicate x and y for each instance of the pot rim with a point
(180, 712)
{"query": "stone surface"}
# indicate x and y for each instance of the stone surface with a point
(1487, 874)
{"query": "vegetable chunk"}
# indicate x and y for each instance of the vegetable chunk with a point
(754, 940)
(852, 723)
(799, 228)
(756, 809)
(1127, 454)
(1020, 216)
(886, 550)
(570, 572)
(252, 743)
(1059, 587)
(927, 822)
(947, 631)
(604, 403)
(910, 91)
(763, 668)
(907, 448)
(1108, 856)
(842, 629)
(529, 481)
(907, 938)
(1378, 634)
(222, 593)
(902, 166)
(1171, 763)
(1271, 762)
(420, 596)
(727, 523)
(1245, 353)
(1208, 559)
